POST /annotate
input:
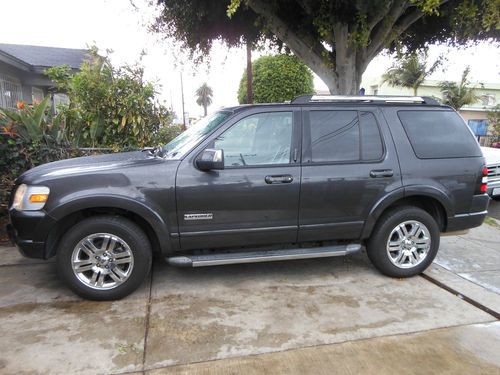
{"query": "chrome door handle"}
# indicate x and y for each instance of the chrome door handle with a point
(378, 173)
(279, 179)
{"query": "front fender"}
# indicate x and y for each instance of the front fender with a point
(146, 212)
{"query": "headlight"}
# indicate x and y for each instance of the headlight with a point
(30, 198)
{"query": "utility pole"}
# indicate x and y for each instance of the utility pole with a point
(249, 74)
(183, 110)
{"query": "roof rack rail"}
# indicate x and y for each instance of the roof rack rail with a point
(364, 99)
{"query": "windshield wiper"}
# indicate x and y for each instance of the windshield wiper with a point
(154, 151)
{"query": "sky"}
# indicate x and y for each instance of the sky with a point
(122, 26)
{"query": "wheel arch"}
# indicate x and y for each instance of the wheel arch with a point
(70, 213)
(431, 200)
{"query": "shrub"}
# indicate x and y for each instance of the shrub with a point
(109, 107)
(28, 137)
(277, 79)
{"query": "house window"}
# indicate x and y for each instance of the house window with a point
(488, 99)
(374, 89)
(36, 94)
(60, 100)
(10, 91)
(479, 127)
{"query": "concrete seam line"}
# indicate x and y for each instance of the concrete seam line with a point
(482, 244)
(318, 345)
(469, 300)
(146, 323)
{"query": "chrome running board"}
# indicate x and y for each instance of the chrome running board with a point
(262, 256)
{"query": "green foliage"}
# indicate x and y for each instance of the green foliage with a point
(328, 35)
(457, 95)
(111, 107)
(494, 119)
(31, 125)
(166, 133)
(197, 23)
(204, 95)
(277, 79)
(28, 137)
(410, 71)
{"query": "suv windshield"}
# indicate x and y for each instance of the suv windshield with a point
(185, 141)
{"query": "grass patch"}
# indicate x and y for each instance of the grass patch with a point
(492, 222)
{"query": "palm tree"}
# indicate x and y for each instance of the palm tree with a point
(204, 96)
(410, 71)
(457, 95)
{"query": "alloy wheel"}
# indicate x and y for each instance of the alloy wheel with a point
(102, 261)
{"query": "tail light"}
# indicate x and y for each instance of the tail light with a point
(483, 185)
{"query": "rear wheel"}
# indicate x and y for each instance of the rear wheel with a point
(404, 242)
(104, 257)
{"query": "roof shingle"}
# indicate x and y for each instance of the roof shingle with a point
(38, 56)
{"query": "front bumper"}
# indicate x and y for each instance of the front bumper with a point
(479, 210)
(494, 185)
(29, 230)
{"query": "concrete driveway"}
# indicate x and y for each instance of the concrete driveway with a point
(337, 315)
(494, 209)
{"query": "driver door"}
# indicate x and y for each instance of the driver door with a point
(254, 199)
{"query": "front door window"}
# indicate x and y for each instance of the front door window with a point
(260, 139)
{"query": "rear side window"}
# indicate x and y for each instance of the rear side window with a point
(438, 134)
(371, 142)
(342, 136)
(334, 135)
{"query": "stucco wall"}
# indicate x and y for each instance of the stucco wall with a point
(28, 80)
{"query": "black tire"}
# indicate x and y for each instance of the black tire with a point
(377, 243)
(127, 231)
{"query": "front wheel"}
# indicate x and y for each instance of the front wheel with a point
(104, 257)
(404, 242)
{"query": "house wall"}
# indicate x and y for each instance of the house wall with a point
(28, 80)
(475, 111)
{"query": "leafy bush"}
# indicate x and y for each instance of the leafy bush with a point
(166, 133)
(29, 137)
(277, 79)
(111, 107)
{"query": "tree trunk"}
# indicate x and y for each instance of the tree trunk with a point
(249, 74)
(340, 70)
(205, 110)
(349, 65)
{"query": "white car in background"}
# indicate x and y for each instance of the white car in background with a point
(492, 156)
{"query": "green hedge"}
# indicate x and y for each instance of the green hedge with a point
(277, 79)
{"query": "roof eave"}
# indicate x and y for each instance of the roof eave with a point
(14, 61)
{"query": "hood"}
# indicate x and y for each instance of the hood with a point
(492, 155)
(87, 164)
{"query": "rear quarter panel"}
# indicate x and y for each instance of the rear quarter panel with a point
(452, 181)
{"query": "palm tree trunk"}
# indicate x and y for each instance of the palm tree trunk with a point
(205, 110)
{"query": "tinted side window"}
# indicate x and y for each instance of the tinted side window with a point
(263, 138)
(334, 136)
(371, 141)
(438, 134)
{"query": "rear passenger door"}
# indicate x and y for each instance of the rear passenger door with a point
(348, 163)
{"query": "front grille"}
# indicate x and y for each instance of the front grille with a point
(493, 172)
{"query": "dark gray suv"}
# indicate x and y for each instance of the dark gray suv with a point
(321, 176)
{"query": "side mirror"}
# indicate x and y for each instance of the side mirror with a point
(210, 159)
